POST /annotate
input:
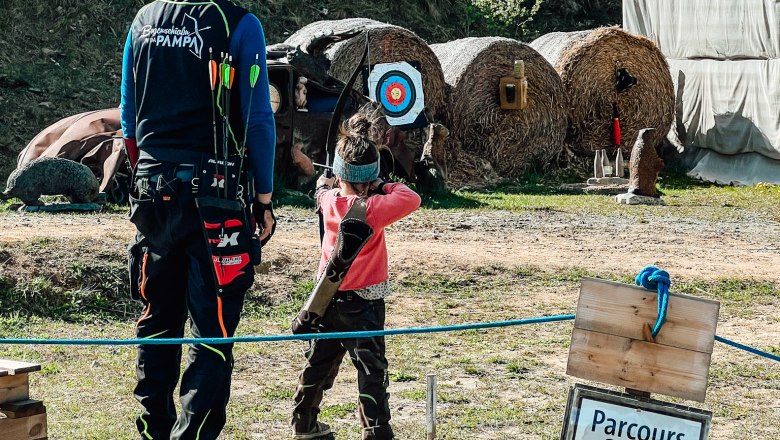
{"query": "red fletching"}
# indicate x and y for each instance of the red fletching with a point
(213, 73)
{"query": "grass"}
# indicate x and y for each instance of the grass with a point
(402, 376)
(684, 197)
(496, 384)
(506, 383)
(493, 384)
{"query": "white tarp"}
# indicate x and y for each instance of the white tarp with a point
(740, 170)
(731, 107)
(719, 29)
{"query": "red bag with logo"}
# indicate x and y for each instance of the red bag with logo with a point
(229, 240)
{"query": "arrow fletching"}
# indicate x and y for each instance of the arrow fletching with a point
(225, 69)
(232, 76)
(254, 73)
(213, 74)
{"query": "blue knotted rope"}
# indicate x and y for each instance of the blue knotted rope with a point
(653, 278)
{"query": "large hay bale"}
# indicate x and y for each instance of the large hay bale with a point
(387, 44)
(510, 140)
(587, 62)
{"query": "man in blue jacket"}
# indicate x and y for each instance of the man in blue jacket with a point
(174, 121)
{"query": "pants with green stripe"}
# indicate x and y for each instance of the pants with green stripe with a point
(347, 312)
(170, 271)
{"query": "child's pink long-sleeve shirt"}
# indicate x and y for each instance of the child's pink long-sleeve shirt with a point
(370, 266)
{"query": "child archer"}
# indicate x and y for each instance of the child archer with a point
(359, 303)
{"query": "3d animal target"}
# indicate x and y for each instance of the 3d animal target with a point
(398, 88)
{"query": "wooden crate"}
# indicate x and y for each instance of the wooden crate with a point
(608, 345)
(24, 428)
(20, 417)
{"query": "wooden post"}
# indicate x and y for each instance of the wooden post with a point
(430, 407)
(20, 417)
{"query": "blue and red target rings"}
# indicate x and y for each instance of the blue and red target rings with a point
(396, 93)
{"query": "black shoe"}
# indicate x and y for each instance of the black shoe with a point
(384, 432)
(319, 432)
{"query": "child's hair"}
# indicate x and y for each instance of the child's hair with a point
(354, 144)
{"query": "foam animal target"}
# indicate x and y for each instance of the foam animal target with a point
(398, 88)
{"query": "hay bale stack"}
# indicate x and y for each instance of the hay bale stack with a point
(587, 62)
(387, 43)
(510, 140)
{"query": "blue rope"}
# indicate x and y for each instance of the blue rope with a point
(280, 338)
(339, 335)
(748, 349)
(653, 278)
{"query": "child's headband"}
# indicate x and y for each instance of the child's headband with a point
(355, 173)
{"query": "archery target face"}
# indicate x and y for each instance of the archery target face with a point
(397, 87)
(396, 93)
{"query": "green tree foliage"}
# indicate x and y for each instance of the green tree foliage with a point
(573, 15)
(504, 17)
(445, 20)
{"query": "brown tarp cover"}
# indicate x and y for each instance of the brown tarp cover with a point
(92, 138)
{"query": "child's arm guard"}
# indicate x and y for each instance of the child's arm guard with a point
(353, 234)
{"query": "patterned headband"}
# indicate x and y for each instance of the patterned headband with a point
(355, 173)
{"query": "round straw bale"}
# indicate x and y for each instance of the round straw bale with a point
(387, 44)
(510, 140)
(587, 62)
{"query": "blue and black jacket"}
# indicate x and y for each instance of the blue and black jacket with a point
(166, 91)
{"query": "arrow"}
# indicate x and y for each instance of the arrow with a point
(213, 83)
(254, 74)
(228, 73)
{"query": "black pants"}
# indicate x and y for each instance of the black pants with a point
(170, 272)
(347, 312)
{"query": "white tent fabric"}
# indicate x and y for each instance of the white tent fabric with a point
(731, 107)
(740, 170)
(724, 57)
(718, 29)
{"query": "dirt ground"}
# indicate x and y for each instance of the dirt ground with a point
(545, 239)
(435, 242)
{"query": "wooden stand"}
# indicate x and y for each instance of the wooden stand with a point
(21, 418)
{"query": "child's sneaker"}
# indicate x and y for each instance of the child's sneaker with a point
(319, 432)
(384, 432)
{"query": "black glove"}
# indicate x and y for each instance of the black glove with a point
(258, 212)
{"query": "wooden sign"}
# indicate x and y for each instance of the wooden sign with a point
(596, 414)
(608, 345)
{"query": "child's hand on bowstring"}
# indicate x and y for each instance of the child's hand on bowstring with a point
(377, 186)
(324, 180)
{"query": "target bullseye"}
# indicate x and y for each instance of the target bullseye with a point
(395, 93)
(397, 87)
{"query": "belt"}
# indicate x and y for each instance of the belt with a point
(167, 182)
(184, 172)
(347, 295)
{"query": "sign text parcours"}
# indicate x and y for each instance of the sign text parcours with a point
(594, 414)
